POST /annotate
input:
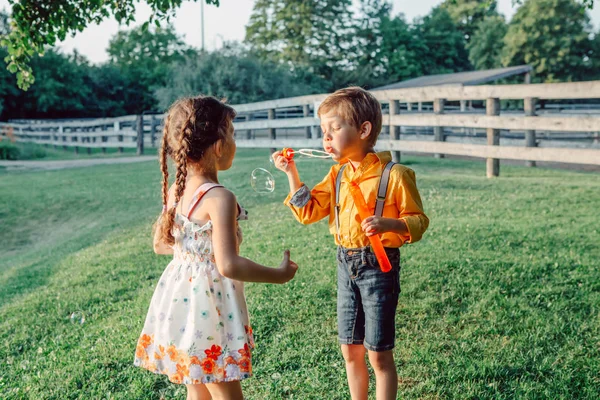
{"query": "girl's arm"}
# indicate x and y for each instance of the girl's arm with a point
(222, 208)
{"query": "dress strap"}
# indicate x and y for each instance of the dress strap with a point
(198, 194)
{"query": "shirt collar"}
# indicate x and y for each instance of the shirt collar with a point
(369, 160)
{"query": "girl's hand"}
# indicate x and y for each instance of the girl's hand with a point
(282, 163)
(287, 268)
(375, 225)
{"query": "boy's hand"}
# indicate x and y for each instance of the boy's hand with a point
(287, 268)
(376, 225)
(282, 163)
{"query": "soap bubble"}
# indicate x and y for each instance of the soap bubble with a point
(262, 181)
(77, 317)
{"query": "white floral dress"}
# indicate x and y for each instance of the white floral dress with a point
(197, 329)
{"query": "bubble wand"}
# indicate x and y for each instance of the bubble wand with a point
(363, 212)
(288, 153)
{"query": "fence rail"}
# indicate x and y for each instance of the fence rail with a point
(261, 124)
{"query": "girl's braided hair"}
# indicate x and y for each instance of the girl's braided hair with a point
(191, 126)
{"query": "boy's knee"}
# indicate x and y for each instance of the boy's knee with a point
(353, 353)
(382, 361)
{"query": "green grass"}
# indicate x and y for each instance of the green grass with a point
(500, 300)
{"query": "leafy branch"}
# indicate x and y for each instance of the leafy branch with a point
(36, 25)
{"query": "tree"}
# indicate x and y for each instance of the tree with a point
(401, 50)
(236, 74)
(144, 56)
(444, 44)
(468, 14)
(554, 37)
(303, 34)
(39, 24)
(485, 49)
(367, 64)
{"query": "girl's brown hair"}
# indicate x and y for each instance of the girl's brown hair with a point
(191, 126)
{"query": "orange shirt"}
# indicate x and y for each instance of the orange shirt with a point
(402, 201)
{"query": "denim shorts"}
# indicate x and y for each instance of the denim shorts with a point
(367, 298)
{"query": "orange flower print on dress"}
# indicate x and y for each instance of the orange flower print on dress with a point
(208, 365)
(245, 352)
(140, 352)
(244, 364)
(214, 352)
(183, 370)
(194, 360)
(248, 329)
(173, 353)
(160, 354)
(145, 340)
(230, 361)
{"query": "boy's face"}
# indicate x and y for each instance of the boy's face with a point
(342, 139)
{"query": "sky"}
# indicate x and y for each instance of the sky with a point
(226, 23)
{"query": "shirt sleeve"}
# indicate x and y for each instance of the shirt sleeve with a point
(314, 205)
(410, 207)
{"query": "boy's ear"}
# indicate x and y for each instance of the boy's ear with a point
(365, 129)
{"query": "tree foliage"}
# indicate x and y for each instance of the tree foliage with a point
(236, 74)
(144, 56)
(443, 42)
(554, 37)
(485, 49)
(303, 34)
(39, 24)
(468, 14)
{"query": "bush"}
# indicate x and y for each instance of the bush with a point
(9, 151)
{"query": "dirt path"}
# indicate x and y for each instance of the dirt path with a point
(62, 164)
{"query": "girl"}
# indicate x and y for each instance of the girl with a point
(197, 330)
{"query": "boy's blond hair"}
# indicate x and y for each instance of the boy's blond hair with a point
(356, 106)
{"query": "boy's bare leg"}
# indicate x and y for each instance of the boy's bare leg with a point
(226, 390)
(386, 377)
(356, 370)
(197, 392)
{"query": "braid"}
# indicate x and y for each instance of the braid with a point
(164, 167)
(165, 224)
(181, 156)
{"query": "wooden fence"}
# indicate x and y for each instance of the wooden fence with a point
(291, 122)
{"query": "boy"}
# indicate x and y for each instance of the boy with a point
(367, 297)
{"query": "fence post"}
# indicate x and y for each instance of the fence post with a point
(140, 134)
(272, 133)
(153, 131)
(60, 132)
(438, 131)
(75, 138)
(395, 130)
(103, 139)
(248, 131)
(64, 138)
(306, 113)
(492, 107)
(117, 129)
(90, 139)
(530, 140)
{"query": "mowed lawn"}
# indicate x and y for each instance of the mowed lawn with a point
(500, 300)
